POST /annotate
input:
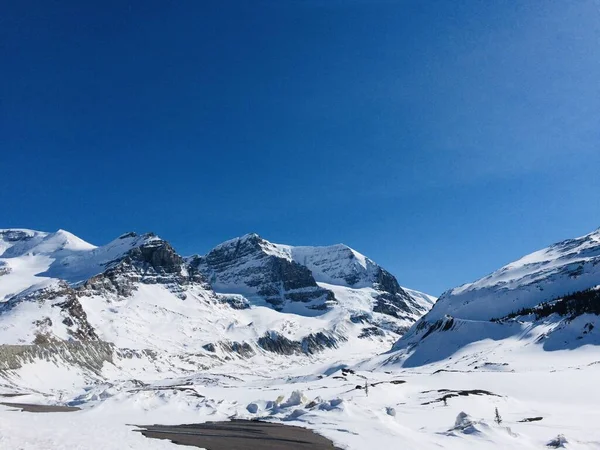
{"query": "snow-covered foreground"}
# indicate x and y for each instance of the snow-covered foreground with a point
(404, 408)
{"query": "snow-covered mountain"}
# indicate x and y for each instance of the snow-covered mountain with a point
(247, 298)
(312, 280)
(49, 276)
(530, 299)
(566, 267)
(133, 333)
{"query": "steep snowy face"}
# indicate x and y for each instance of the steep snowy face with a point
(337, 264)
(317, 276)
(343, 266)
(548, 298)
(568, 266)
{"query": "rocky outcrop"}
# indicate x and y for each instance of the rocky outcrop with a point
(4, 269)
(88, 355)
(234, 301)
(72, 315)
(14, 238)
(252, 266)
(392, 300)
(313, 343)
(242, 349)
(154, 262)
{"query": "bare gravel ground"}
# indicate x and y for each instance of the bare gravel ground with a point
(28, 407)
(240, 435)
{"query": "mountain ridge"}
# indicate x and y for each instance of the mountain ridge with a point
(251, 265)
(521, 301)
(138, 294)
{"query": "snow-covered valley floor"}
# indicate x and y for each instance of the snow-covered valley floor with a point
(404, 408)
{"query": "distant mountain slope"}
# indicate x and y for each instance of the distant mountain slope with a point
(568, 266)
(529, 300)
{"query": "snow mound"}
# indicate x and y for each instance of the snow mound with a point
(466, 425)
(297, 398)
(558, 442)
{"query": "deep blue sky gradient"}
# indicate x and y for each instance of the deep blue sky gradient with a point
(440, 138)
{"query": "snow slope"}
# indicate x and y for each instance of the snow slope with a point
(504, 306)
(33, 258)
(568, 266)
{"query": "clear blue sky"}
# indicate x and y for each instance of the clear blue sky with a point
(440, 138)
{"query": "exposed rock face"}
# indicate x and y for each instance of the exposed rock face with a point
(250, 265)
(4, 269)
(242, 349)
(371, 331)
(14, 235)
(280, 274)
(89, 355)
(313, 343)
(13, 238)
(76, 319)
(158, 256)
(234, 300)
(72, 316)
(392, 299)
(154, 262)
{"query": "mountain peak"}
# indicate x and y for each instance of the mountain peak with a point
(280, 273)
(18, 242)
(67, 241)
(249, 237)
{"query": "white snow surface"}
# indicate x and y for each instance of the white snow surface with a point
(519, 380)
